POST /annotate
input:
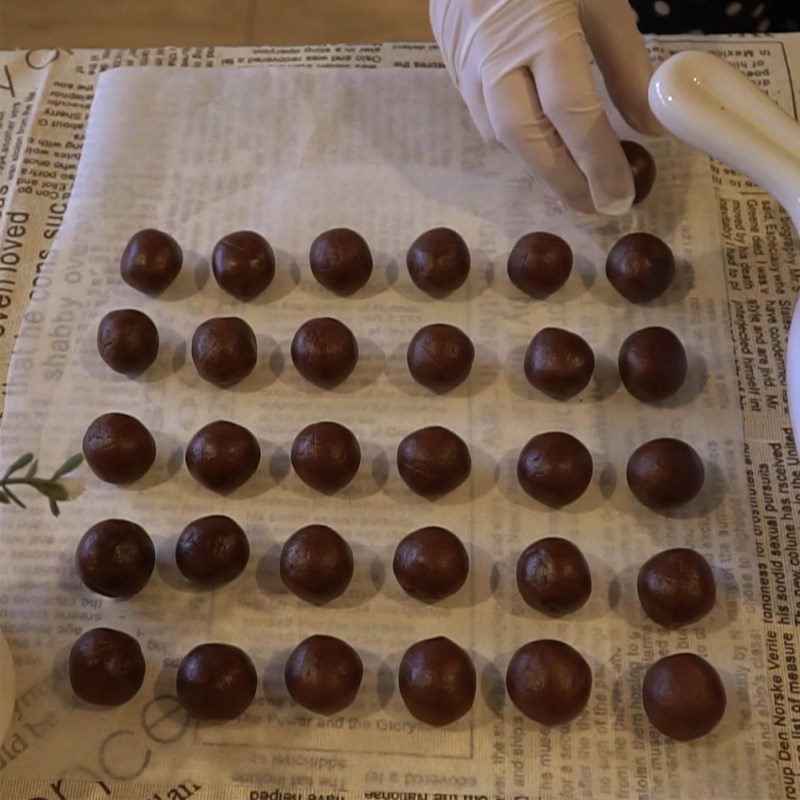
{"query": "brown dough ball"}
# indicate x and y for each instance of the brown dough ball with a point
(640, 267)
(665, 473)
(431, 564)
(643, 166)
(106, 667)
(212, 551)
(324, 351)
(683, 696)
(243, 264)
(559, 363)
(440, 357)
(549, 681)
(118, 448)
(437, 681)
(127, 341)
(553, 576)
(151, 261)
(652, 364)
(323, 674)
(554, 468)
(326, 456)
(222, 456)
(224, 350)
(433, 461)
(539, 264)
(341, 260)
(438, 261)
(676, 587)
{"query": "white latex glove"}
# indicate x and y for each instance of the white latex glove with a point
(523, 69)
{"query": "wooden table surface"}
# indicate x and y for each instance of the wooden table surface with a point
(30, 24)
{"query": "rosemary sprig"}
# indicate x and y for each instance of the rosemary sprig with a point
(51, 488)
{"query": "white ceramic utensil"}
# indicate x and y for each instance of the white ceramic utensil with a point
(712, 106)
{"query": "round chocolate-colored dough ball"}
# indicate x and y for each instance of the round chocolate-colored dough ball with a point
(540, 263)
(431, 564)
(665, 473)
(127, 341)
(440, 357)
(150, 261)
(549, 681)
(676, 587)
(438, 261)
(433, 461)
(640, 267)
(554, 468)
(243, 264)
(324, 351)
(326, 456)
(316, 564)
(216, 682)
(437, 681)
(323, 674)
(652, 364)
(106, 667)
(683, 696)
(222, 456)
(559, 363)
(341, 260)
(115, 558)
(118, 448)
(224, 350)
(643, 166)
(212, 551)
(553, 576)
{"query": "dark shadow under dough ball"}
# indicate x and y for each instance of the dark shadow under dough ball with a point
(549, 681)
(127, 341)
(243, 263)
(559, 363)
(440, 357)
(437, 681)
(216, 682)
(106, 667)
(222, 456)
(324, 351)
(683, 696)
(539, 264)
(316, 564)
(224, 350)
(323, 674)
(433, 461)
(212, 551)
(151, 261)
(554, 468)
(341, 260)
(118, 448)
(665, 473)
(326, 456)
(438, 261)
(676, 587)
(431, 564)
(553, 576)
(115, 558)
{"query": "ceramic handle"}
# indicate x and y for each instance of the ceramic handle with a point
(712, 106)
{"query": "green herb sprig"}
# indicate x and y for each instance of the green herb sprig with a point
(50, 487)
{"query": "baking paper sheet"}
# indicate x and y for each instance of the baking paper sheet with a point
(391, 153)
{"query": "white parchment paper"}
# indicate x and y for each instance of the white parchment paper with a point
(391, 153)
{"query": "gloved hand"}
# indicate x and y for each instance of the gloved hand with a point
(523, 69)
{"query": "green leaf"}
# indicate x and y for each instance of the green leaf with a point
(73, 462)
(54, 509)
(21, 462)
(4, 498)
(32, 469)
(55, 491)
(14, 498)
